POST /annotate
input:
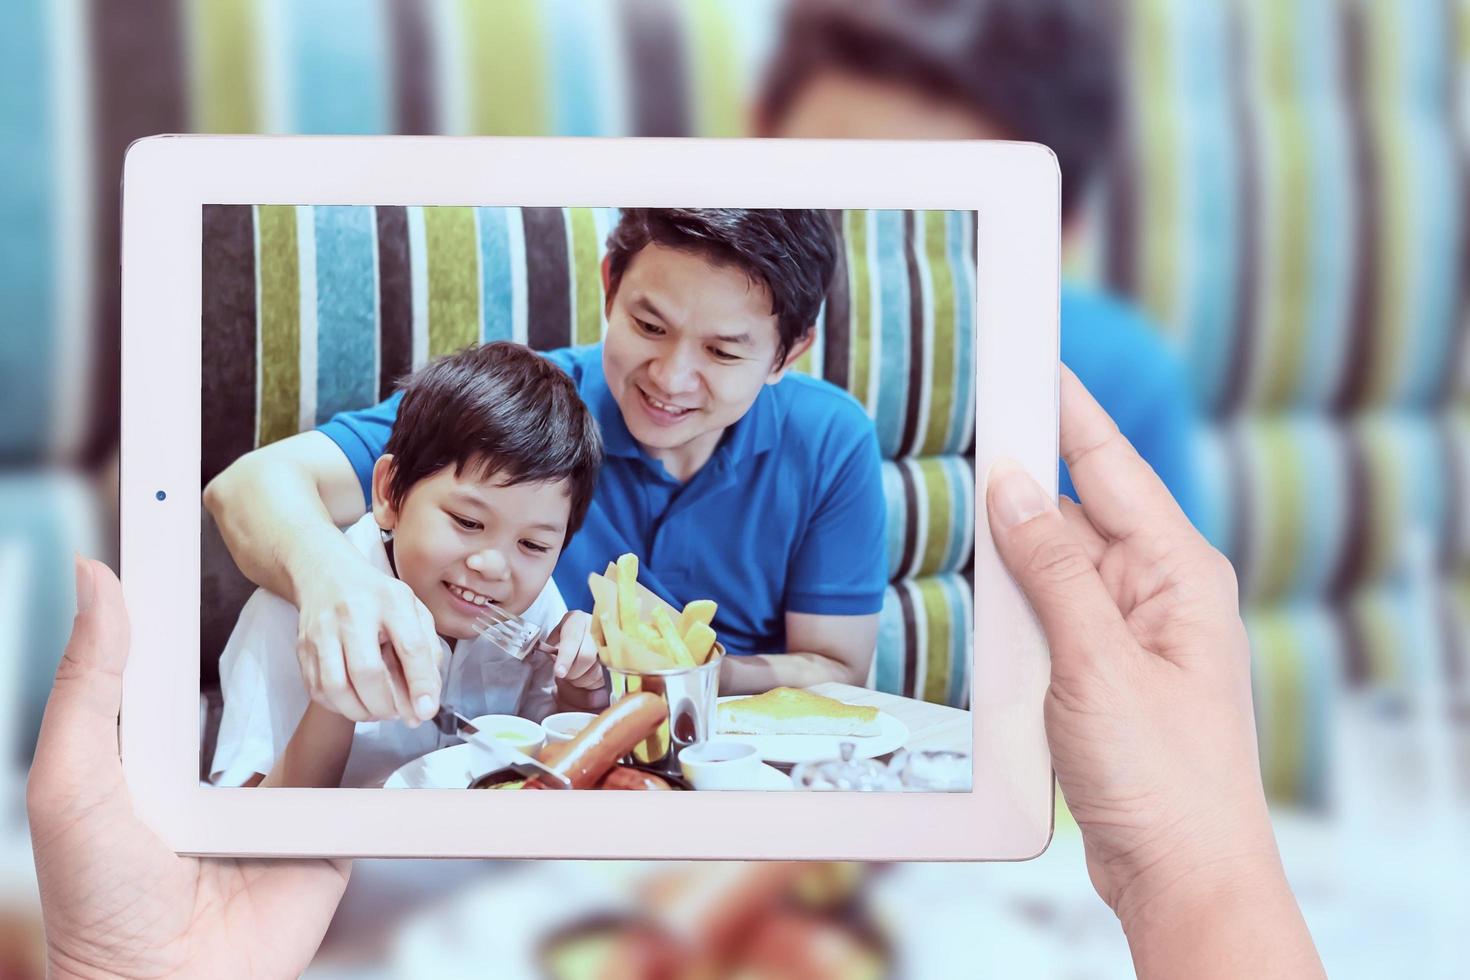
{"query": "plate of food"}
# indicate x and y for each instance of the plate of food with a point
(453, 767)
(790, 725)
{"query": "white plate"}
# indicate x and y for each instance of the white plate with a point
(452, 767)
(805, 748)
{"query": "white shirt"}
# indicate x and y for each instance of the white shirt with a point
(265, 696)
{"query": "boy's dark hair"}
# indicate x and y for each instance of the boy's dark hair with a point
(504, 409)
(1040, 70)
(790, 252)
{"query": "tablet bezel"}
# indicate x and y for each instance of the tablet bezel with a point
(1014, 188)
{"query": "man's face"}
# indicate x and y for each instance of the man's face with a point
(834, 104)
(689, 346)
(461, 541)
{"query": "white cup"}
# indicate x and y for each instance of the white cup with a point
(721, 765)
(564, 725)
(513, 730)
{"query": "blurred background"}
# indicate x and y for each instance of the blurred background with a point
(1285, 201)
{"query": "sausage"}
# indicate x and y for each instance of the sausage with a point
(625, 778)
(606, 739)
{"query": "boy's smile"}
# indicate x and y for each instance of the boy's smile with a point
(462, 541)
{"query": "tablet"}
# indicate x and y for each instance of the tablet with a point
(271, 284)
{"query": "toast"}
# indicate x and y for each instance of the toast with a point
(789, 711)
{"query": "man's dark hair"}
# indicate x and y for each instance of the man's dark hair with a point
(504, 410)
(790, 252)
(1040, 70)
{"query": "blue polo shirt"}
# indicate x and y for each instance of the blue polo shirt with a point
(787, 516)
(1133, 373)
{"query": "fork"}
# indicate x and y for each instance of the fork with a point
(518, 637)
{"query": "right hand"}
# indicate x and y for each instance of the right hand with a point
(367, 646)
(1149, 712)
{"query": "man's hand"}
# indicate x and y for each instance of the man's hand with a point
(367, 646)
(115, 900)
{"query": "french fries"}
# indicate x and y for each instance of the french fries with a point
(635, 631)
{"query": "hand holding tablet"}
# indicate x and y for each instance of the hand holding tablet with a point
(1149, 714)
(115, 899)
(1184, 900)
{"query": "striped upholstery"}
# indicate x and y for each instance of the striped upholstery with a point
(925, 635)
(83, 80)
(931, 515)
(1297, 655)
(45, 518)
(1289, 203)
(1288, 199)
(312, 310)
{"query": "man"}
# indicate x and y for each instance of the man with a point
(729, 478)
(1037, 70)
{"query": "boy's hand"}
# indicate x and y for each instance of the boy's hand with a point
(576, 653)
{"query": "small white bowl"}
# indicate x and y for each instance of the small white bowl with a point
(722, 765)
(564, 725)
(517, 732)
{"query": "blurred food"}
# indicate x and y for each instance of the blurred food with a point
(803, 946)
(22, 944)
(611, 949)
(789, 711)
(727, 921)
(634, 633)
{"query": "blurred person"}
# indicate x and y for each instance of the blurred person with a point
(1148, 718)
(1045, 71)
(713, 449)
(486, 479)
(115, 901)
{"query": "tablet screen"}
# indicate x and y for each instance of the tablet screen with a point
(718, 463)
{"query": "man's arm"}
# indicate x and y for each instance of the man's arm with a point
(823, 648)
(278, 509)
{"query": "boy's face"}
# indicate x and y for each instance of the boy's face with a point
(689, 346)
(462, 540)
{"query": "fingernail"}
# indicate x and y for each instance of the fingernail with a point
(425, 707)
(85, 586)
(1014, 496)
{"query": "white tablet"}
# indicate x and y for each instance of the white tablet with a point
(272, 284)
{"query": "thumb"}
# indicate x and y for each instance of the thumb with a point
(1052, 568)
(79, 730)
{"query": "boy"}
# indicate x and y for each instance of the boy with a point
(489, 472)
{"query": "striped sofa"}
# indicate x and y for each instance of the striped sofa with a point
(309, 311)
(1289, 205)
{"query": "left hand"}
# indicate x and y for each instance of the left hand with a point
(576, 653)
(116, 901)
